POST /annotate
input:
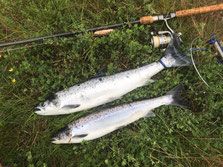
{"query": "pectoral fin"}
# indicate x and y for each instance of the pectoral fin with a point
(71, 106)
(114, 98)
(80, 136)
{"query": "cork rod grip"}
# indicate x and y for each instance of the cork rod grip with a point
(146, 20)
(103, 32)
(200, 10)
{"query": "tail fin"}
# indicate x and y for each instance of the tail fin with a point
(176, 93)
(172, 56)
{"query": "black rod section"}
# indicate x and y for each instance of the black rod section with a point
(66, 34)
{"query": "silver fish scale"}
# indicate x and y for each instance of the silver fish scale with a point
(94, 116)
(94, 83)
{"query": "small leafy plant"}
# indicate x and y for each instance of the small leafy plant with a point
(175, 137)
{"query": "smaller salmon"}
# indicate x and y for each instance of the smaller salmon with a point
(108, 120)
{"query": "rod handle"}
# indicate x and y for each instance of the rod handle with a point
(103, 32)
(200, 10)
(146, 20)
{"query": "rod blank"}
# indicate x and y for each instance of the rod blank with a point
(113, 26)
(143, 20)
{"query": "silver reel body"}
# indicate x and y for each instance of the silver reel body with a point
(163, 38)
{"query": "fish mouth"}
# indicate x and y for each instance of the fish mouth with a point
(55, 140)
(38, 110)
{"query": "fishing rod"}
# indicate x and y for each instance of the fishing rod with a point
(157, 41)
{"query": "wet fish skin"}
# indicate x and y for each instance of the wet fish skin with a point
(108, 120)
(102, 90)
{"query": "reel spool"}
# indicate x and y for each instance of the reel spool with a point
(162, 39)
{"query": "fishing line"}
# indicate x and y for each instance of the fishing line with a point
(161, 62)
(192, 59)
(195, 50)
(219, 61)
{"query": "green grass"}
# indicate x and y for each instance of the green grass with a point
(175, 137)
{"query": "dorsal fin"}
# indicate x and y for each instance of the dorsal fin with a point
(98, 75)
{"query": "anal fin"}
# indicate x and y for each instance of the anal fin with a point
(98, 75)
(120, 127)
(148, 81)
(150, 114)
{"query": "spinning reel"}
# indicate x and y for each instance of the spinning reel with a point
(163, 38)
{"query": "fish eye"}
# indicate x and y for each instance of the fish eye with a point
(42, 104)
